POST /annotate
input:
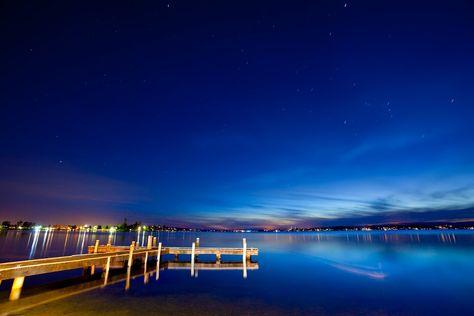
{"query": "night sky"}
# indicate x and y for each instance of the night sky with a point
(237, 113)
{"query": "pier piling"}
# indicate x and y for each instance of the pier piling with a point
(193, 251)
(158, 256)
(130, 256)
(107, 268)
(96, 248)
(244, 257)
(197, 245)
(16, 288)
(149, 242)
(127, 280)
(145, 266)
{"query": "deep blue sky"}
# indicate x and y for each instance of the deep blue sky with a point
(237, 113)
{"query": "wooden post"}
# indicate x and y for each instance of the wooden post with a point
(146, 262)
(130, 255)
(145, 274)
(16, 288)
(127, 281)
(109, 241)
(149, 242)
(197, 245)
(218, 257)
(107, 267)
(244, 257)
(96, 248)
(158, 256)
(193, 250)
(154, 242)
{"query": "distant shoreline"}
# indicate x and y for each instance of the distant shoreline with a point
(377, 228)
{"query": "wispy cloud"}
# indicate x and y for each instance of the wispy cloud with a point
(387, 142)
(362, 201)
(70, 195)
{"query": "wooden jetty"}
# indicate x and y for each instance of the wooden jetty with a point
(35, 297)
(108, 257)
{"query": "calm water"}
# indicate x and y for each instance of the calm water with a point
(375, 273)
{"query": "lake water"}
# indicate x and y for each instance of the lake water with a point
(330, 273)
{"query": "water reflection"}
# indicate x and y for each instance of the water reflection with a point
(35, 243)
(367, 271)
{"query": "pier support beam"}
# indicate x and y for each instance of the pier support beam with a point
(96, 248)
(127, 281)
(16, 288)
(193, 251)
(146, 277)
(107, 268)
(130, 255)
(158, 257)
(149, 242)
(145, 266)
(154, 241)
(244, 257)
(197, 245)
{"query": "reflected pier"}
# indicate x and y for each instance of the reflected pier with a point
(89, 283)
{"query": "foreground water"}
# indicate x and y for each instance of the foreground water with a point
(336, 273)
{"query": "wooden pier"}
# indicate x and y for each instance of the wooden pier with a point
(36, 296)
(109, 257)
